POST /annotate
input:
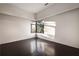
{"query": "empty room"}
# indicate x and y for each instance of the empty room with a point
(39, 29)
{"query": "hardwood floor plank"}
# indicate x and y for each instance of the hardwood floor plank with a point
(44, 48)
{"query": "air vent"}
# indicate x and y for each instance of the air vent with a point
(46, 4)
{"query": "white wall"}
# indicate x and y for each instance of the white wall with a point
(14, 29)
(67, 28)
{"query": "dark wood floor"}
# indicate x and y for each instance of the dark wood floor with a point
(29, 47)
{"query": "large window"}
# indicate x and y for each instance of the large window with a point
(37, 27)
(46, 27)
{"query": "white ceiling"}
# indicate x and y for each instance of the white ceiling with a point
(28, 10)
(32, 7)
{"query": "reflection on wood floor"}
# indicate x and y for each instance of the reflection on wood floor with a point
(37, 47)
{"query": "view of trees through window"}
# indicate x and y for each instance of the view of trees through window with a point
(45, 27)
(37, 27)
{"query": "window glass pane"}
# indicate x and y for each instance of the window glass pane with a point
(33, 28)
(40, 28)
(50, 23)
(49, 28)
